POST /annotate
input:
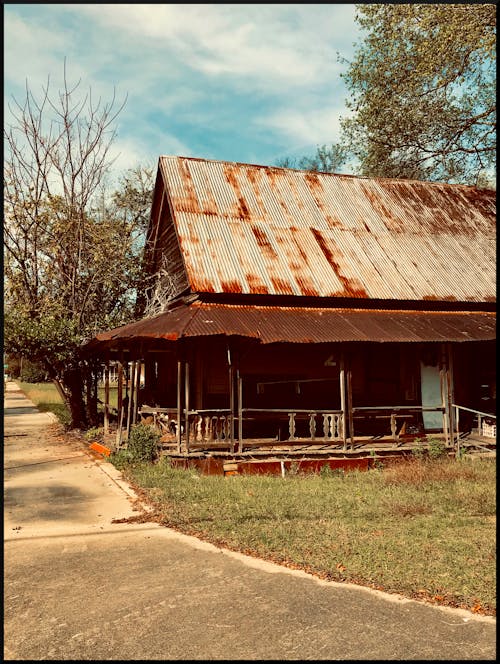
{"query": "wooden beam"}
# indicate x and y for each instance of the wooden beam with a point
(186, 402)
(106, 398)
(119, 389)
(349, 404)
(240, 411)
(179, 405)
(342, 400)
(130, 395)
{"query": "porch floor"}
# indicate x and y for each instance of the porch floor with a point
(272, 456)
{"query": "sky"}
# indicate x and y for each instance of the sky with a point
(251, 83)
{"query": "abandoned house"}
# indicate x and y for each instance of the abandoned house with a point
(314, 313)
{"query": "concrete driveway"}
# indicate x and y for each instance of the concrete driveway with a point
(77, 586)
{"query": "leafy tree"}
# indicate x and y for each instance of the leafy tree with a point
(422, 91)
(328, 159)
(71, 253)
(422, 88)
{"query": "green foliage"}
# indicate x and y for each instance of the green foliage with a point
(422, 90)
(327, 159)
(143, 442)
(72, 248)
(33, 372)
(94, 434)
(121, 459)
(437, 448)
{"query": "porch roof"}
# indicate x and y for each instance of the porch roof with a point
(272, 324)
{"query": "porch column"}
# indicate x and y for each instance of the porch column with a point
(130, 394)
(119, 402)
(443, 383)
(349, 402)
(186, 400)
(179, 405)
(138, 367)
(450, 389)
(106, 397)
(231, 397)
(240, 411)
(342, 399)
(119, 389)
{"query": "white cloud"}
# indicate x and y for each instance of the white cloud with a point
(273, 45)
(238, 82)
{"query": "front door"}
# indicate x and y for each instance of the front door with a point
(430, 383)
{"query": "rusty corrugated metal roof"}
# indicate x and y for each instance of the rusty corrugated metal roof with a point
(255, 229)
(273, 324)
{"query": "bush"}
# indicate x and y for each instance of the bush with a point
(33, 372)
(437, 448)
(143, 442)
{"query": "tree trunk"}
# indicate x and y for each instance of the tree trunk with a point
(91, 403)
(73, 381)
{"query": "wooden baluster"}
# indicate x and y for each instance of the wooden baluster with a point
(312, 425)
(222, 426)
(327, 425)
(199, 434)
(214, 429)
(394, 427)
(291, 426)
(207, 428)
(338, 425)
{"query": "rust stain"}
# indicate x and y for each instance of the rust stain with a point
(189, 203)
(242, 209)
(281, 286)
(316, 190)
(231, 287)
(263, 242)
(255, 285)
(350, 287)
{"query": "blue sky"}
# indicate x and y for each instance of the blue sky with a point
(249, 82)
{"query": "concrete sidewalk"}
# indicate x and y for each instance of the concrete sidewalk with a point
(77, 586)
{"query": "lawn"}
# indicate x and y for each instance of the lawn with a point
(47, 399)
(424, 528)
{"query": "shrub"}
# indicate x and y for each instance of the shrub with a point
(95, 434)
(437, 448)
(143, 442)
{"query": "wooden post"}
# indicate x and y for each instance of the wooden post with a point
(119, 388)
(342, 400)
(179, 405)
(231, 398)
(240, 412)
(186, 400)
(106, 398)
(450, 390)
(349, 404)
(130, 390)
(134, 392)
(443, 388)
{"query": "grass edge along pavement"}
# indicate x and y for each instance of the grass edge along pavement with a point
(424, 529)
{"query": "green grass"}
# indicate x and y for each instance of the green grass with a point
(425, 528)
(47, 399)
(422, 529)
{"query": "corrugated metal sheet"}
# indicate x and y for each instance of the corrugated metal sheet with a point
(254, 229)
(273, 324)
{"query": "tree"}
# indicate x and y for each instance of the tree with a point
(72, 253)
(422, 91)
(328, 159)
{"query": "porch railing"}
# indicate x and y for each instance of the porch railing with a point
(223, 427)
(480, 424)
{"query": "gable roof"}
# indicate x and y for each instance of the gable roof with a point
(248, 229)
